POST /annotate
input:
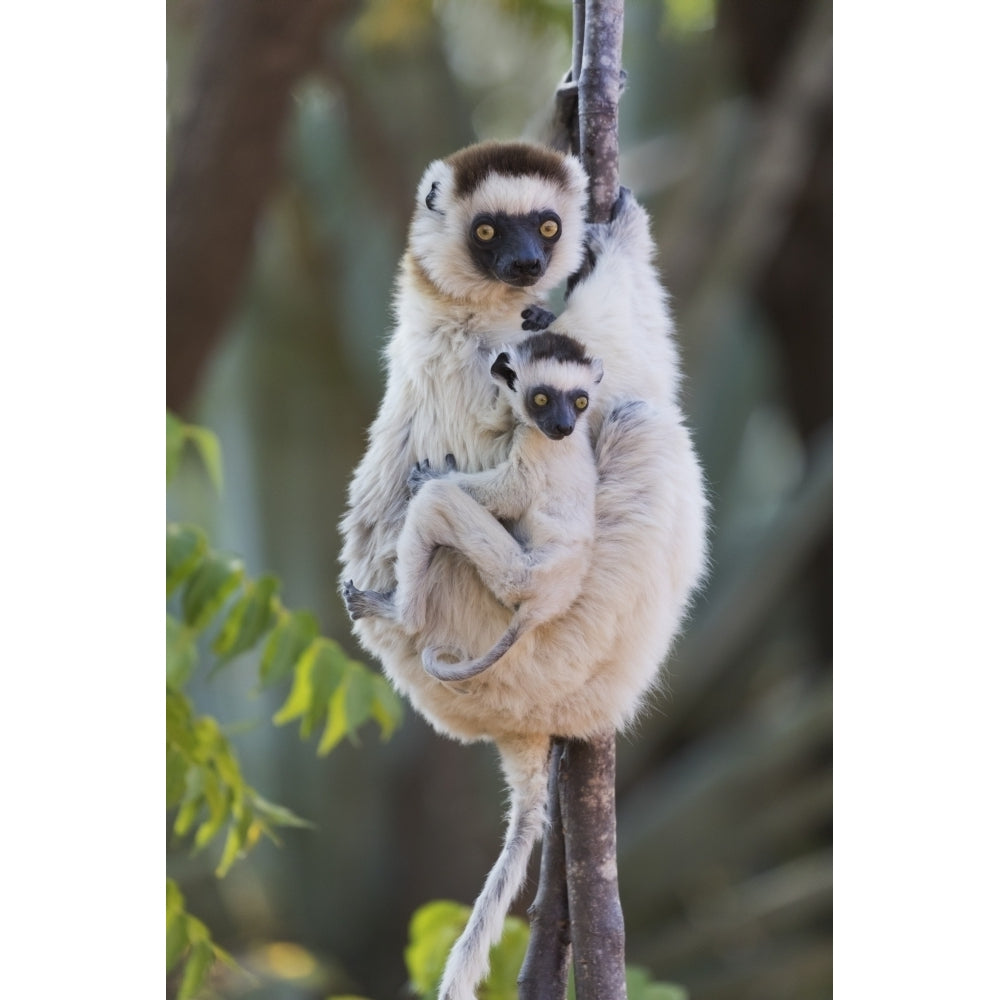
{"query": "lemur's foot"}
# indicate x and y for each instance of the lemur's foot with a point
(367, 603)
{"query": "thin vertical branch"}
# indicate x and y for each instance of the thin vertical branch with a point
(597, 925)
(587, 788)
(599, 89)
(545, 972)
(579, 874)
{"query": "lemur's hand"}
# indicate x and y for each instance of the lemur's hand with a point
(423, 472)
(536, 318)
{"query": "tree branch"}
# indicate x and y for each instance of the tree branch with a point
(599, 89)
(546, 965)
(579, 855)
(587, 792)
(597, 925)
(226, 161)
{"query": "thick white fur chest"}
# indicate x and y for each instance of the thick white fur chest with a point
(453, 403)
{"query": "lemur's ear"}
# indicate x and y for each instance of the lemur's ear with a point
(431, 198)
(501, 369)
(597, 369)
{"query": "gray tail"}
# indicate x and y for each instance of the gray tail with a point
(526, 767)
(465, 669)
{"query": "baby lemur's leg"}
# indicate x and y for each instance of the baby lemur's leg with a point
(442, 514)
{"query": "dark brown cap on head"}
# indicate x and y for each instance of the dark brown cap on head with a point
(513, 159)
(557, 346)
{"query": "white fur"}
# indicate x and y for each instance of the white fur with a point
(588, 671)
(545, 490)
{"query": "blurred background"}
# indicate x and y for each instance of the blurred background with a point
(297, 131)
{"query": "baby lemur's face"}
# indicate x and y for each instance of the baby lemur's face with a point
(555, 411)
(550, 380)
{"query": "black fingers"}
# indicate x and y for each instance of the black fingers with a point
(536, 318)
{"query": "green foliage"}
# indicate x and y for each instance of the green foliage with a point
(685, 16)
(400, 24)
(179, 434)
(639, 987)
(212, 593)
(186, 935)
(435, 927)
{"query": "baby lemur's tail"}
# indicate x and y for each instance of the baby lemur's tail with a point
(465, 669)
(525, 764)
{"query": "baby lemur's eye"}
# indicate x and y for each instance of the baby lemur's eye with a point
(485, 232)
(549, 228)
(540, 399)
(581, 403)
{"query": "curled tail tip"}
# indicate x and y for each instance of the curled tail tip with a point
(460, 670)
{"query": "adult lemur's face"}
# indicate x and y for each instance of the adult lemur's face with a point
(515, 249)
(499, 216)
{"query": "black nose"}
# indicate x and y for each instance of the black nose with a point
(530, 267)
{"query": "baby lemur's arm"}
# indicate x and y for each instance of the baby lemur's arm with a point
(504, 491)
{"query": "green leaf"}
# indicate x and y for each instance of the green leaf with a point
(182, 655)
(186, 544)
(328, 674)
(506, 959)
(274, 815)
(350, 706)
(317, 675)
(175, 444)
(180, 723)
(192, 803)
(225, 762)
(177, 939)
(199, 962)
(434, 928)
(665, 991)
(207, 446)
(175, 900)
(214, 580)
(177, 768)
(387, 708)
(290, 638)
(300, 697)
(236, 842)
(249, 619)
(217, 799)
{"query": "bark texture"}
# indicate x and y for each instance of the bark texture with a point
(599, 89)
(545, 972)
(587, 800)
